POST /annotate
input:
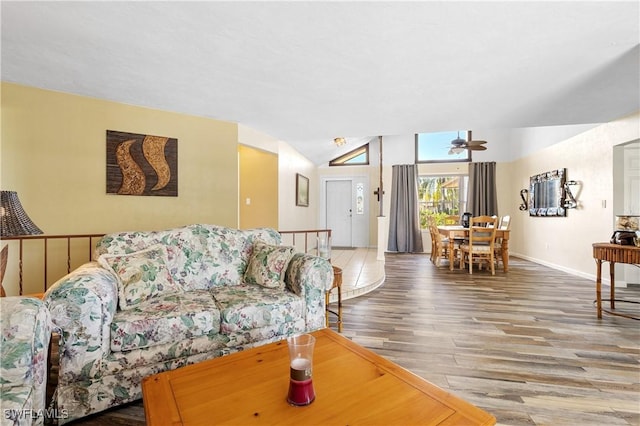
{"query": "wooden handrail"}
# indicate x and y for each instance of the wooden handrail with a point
(45, 239)
(307, 247)
(306, 233)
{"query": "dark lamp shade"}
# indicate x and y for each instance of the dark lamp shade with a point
(13, 219)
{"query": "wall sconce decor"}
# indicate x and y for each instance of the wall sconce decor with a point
(571, 202)
(524, 194)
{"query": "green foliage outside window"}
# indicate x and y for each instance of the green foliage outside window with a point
(439, 197)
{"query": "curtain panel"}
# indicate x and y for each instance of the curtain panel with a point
(482, 198)
(404, 221)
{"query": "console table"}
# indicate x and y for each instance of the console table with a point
(612, 253)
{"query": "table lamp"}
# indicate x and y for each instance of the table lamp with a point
(14, 221)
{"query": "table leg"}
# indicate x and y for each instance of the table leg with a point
(451, 245)
(599, 287)
(505, 254)
(326, 308)
(612, 276)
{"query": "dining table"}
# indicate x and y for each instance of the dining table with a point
(459, 232)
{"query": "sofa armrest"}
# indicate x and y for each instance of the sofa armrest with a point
(25, 331)
(82, 306)
(310, 277)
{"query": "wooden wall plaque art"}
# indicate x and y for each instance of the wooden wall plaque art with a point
(141, 164)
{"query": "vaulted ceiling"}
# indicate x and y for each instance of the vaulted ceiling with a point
(306, 72)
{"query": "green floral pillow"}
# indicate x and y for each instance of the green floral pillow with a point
(267, 265)
(141, 275)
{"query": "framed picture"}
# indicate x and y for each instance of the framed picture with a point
(302, 190)
(140, 164)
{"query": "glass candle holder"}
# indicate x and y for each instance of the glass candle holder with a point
(301, 390)
(324, 247)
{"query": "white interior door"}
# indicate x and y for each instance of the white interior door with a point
(339, 212)
(631, 198)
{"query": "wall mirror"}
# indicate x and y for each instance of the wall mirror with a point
(547, 194)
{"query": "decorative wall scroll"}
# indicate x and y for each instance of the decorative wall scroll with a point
(141, 164)
(302, 190)
(524, 194)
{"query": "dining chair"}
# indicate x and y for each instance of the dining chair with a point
(480, 246)
(505, 224)
(431, 223)
(440, 245)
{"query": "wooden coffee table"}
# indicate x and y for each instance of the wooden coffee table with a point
(353, 386)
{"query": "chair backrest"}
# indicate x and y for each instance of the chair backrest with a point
(433, 230)
(482, 230)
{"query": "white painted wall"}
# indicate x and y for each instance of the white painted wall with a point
(626, 198)
(566, 242)
(290, 216)
(290, 162)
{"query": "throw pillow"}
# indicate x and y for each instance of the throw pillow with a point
(141, 275)
(267, 265)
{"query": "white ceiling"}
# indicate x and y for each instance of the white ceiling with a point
(306, 72)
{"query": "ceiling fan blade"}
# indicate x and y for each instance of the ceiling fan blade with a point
(476, 147)
(475, 143)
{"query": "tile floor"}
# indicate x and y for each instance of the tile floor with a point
(361, 271)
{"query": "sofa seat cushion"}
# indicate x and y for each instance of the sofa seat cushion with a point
(165, 319)
(249, 306)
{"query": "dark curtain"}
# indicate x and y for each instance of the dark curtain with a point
(404, 220)
(481, 196)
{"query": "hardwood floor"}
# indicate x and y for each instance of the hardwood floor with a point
(524, 345)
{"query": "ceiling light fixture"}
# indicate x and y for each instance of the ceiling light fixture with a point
(339, 141)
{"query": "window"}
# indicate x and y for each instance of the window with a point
(357, 157)
(436, 147)
(441, 196)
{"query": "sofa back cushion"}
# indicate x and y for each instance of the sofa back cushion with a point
(141, 275)
(199, 256)
(268, 264)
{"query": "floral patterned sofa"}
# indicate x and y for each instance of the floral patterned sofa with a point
(25, 325)
(159, 300)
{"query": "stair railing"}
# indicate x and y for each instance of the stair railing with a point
(305, 241)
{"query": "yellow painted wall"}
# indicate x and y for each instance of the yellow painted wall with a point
(259, 185)
(53, 153)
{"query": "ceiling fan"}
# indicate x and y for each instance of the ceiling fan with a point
(458, 145)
